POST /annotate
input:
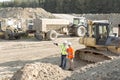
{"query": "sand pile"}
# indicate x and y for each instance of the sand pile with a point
(24, 13)
(107, 70)
(39, 71)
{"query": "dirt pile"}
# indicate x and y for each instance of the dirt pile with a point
(107, 70)
(24, 13)
(39, 71)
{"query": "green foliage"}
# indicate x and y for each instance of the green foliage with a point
(69, 6)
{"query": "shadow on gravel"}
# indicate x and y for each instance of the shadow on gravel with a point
(34, 39)
(20, 40)
(14, 65)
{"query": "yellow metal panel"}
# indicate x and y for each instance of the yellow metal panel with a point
(90, 41)
(1, 34)
(81, 40)
(118, 50)
(114, 49)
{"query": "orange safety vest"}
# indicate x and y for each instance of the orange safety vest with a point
(70, 51)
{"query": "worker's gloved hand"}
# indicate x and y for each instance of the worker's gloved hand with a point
(55, 44)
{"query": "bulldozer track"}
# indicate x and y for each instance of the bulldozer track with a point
(93, 55)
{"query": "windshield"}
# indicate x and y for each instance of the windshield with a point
(101, 30)
(76, 21)
(80, 21)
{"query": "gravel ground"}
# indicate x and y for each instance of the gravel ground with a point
(18, 53)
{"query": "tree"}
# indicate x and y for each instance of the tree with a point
(69, 6)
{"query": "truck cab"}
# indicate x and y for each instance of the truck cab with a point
(78, 27)
(80, 21)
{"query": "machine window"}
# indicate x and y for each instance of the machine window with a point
(103, 31)
(76, 21)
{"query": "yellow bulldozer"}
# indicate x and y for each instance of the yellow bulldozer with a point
(99, 44)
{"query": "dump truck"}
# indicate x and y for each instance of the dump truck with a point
(99, 45)
(49, 29)
(11, 28)
(43, 29)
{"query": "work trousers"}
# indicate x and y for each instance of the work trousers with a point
(63, 61)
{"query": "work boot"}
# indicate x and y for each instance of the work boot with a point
(60, 66)
(70, 69)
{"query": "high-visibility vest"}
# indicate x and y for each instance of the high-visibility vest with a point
(63, 49)
(70, 51)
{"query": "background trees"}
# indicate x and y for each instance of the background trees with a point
(69, 6)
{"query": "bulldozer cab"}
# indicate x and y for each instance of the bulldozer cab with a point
(101, 32)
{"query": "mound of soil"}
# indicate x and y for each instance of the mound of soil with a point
(24, 13)
(39, 71)
(107, 70)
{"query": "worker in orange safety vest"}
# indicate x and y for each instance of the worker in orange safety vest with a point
(70, 55)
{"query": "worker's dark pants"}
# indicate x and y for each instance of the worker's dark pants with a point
(63, 61)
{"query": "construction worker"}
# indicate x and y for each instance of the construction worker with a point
(63, 54)
(70, 52)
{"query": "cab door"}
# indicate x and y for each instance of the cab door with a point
(102, 33)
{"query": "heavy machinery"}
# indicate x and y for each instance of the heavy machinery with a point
(78, 26)
(11, 28)
(99, 45)
(44, 29)
(49, 29)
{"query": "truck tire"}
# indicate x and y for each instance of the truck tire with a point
(52, 35)
(80, 31)
(38, 36)
(9, 34)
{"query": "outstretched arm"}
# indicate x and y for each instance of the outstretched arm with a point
(55, 44)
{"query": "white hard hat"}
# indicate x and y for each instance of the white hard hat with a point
(69, 43)
(9, 18)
